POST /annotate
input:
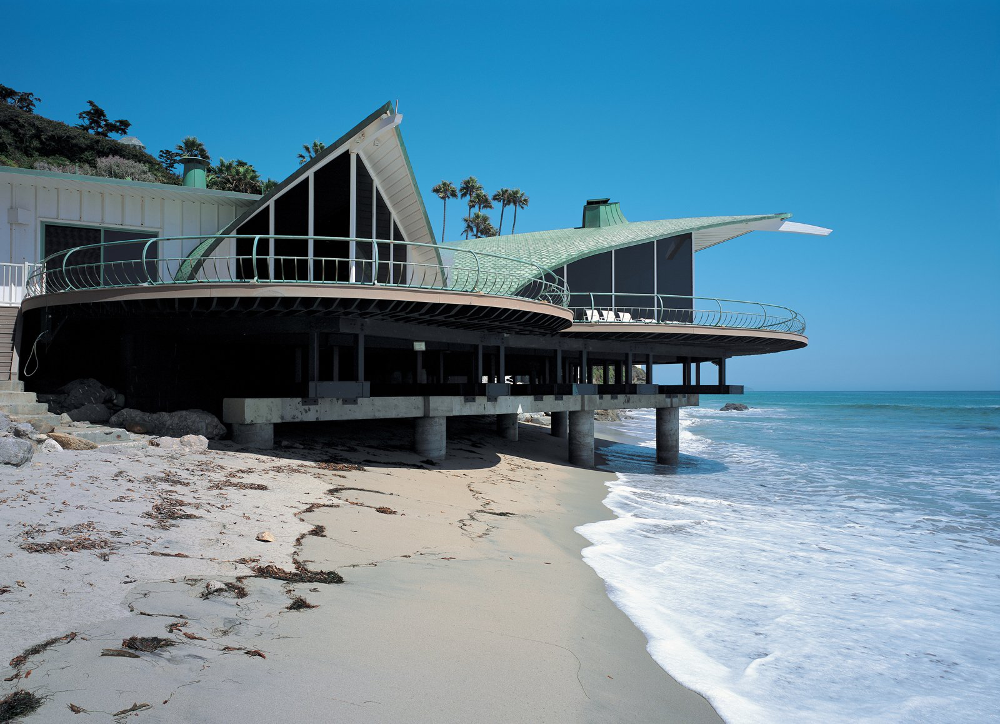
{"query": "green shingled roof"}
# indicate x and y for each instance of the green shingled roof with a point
(552, 249)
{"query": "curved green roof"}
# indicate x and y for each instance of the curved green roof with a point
(553, 249)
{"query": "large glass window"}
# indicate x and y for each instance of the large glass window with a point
(257, 225)
(332, 217)
(291, 218)
(110, 260)
(399, 253)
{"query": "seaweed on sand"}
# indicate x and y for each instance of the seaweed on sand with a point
(17, 704)
(300, 575)
(19, 660)
(146, 644)
(298, 603)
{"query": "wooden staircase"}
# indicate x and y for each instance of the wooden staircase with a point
(8, 318)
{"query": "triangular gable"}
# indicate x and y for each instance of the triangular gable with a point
(378, 144)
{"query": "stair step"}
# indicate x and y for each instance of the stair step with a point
(48, 417)
(17, 398)
(24, 408)
(11, 385)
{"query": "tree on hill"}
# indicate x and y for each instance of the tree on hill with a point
(95, 121)
(311, 151)
(445, 190)
(189, 146)
(28, 139)
(19, 99)
(235, 175)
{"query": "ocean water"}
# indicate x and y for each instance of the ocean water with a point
(823, 557)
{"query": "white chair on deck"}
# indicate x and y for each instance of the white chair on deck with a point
(607, 315)
(624, 317)
(591, 315)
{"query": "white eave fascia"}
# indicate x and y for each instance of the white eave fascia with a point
(372, 134)
(797, 228)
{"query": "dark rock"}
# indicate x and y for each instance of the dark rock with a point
(14, 451)
(734, 407)
(169, 424)
(78, 393)
(91, 412)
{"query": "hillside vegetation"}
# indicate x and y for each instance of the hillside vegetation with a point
(28, 140)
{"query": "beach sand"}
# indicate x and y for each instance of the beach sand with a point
(464, 595)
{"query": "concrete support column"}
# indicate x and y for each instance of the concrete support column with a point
(560, 423)
(359, 360)
(430, 437)
(581, 438)
(259, 435)
(507, 426)
(667, 434)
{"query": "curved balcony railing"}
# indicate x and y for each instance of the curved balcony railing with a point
(315, 260)
(640, 309)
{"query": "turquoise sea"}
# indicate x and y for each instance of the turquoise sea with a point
(823, 557)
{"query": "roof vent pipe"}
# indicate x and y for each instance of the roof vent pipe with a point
(194, 171)
(602, 212)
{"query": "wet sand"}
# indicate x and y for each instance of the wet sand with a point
(464, 596)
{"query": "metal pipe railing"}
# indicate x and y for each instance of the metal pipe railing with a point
(417, 267)
(605, 308)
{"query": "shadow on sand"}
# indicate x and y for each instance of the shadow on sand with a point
(473, 444)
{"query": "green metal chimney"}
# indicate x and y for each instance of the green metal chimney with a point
(602, 212)
(194, 171)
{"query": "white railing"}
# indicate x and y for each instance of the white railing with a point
(13, 278)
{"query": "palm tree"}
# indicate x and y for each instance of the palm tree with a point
(191, 146)
(519, 200)
(481, 225)
(234, 176)
(445, 190)
(311, 151)
(482, 200)
(503, 198)
(470, 226)
(467, 190)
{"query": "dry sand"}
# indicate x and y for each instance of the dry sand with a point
(464, 597)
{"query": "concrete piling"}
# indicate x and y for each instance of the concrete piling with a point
(581, 438)
(430, 437)
(507, 426)
(667, 435)
(560, 424)
(259, 435)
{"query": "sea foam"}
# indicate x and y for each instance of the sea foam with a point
(813, 560)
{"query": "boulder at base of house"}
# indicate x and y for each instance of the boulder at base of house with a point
(734, 407)
(91, 412)
(611, 416)
(169, 424)
(15, 451)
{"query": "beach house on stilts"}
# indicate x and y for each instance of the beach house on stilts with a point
(329, 298)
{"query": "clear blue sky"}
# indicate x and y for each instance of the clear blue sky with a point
(877, 119)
